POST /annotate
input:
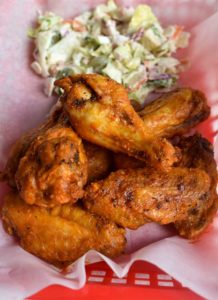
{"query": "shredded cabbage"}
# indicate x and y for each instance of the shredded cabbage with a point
(129, 45)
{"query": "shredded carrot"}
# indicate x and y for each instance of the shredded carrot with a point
(146, 63)
(141, 83)
(138, 85)
(177, 33)
(76, 25)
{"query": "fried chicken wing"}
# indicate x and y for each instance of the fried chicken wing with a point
(62, 234)
(99, 161)
(17, 151)
(54, 168)
(133, 197)
(20, 147)
(100, 112)
(175, 113)
(198, 152)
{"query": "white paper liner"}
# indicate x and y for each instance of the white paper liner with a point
(22, 107)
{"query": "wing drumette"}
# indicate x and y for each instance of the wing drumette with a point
(100, 112)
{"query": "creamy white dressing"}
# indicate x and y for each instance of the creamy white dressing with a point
(129, 45)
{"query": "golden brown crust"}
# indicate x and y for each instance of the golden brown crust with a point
(100, 112)
(17, 151)
(175, 113)
(54, 168)
(131, 198)
(62, 234)
(156, 182)
(99, 161)
(20, 147)
(198, 152)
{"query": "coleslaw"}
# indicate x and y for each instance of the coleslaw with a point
(127, 44)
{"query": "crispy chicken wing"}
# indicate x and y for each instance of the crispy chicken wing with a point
(198, 152)
(19, 149)
(133, 197)
(99, 161)
(62, 234)
(175, 113)
(100, 112)
(48, 164)
(54, 168)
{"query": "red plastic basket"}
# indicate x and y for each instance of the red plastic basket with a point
(143, 281)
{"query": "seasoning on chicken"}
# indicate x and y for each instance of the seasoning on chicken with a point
(197, 152)
(62, 234)
(175, 113)
(100, 111)
(54, 168)
(133, 197)
(20, 147)
(99, 161)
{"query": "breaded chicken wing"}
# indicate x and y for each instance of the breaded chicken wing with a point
(198, 152)
(133, 197)
(62, 234)
(175, 113)
(54, 168)
(100, 112)
(99, 161)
